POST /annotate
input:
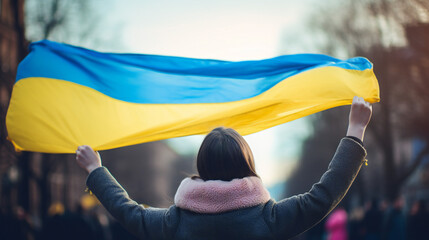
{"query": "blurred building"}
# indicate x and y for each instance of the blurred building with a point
(12, 49)
(11, 38)
(11, 31)
(417, 186)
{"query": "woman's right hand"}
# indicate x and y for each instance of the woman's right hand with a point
(360, 114)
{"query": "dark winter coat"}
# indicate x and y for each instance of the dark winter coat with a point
(270, 220)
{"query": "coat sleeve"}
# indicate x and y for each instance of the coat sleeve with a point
(296, 214)
(145, 223)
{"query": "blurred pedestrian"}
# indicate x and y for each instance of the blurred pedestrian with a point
(228, 200)
(355, 223)
(418, 221)
(65, 225)
(394, 223)
(15, 224)
(372, 221)
(336, 225)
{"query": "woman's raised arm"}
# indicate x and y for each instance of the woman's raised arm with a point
(145, 223)
(296, 214)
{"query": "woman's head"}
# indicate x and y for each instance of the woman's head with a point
(225, 155)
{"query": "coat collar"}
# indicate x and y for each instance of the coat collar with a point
(216, 196)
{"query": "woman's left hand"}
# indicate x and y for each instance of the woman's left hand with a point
(87, 158)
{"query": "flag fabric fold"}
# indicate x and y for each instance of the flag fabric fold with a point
(65, 96)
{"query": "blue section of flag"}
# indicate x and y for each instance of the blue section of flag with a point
(152, 79)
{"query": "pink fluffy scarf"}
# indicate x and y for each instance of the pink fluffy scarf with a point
(217, 196)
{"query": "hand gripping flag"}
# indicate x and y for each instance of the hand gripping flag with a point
(66, 96)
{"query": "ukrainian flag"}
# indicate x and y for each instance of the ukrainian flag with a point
(66, 96)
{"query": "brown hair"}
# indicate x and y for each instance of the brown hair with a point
(225, 155)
